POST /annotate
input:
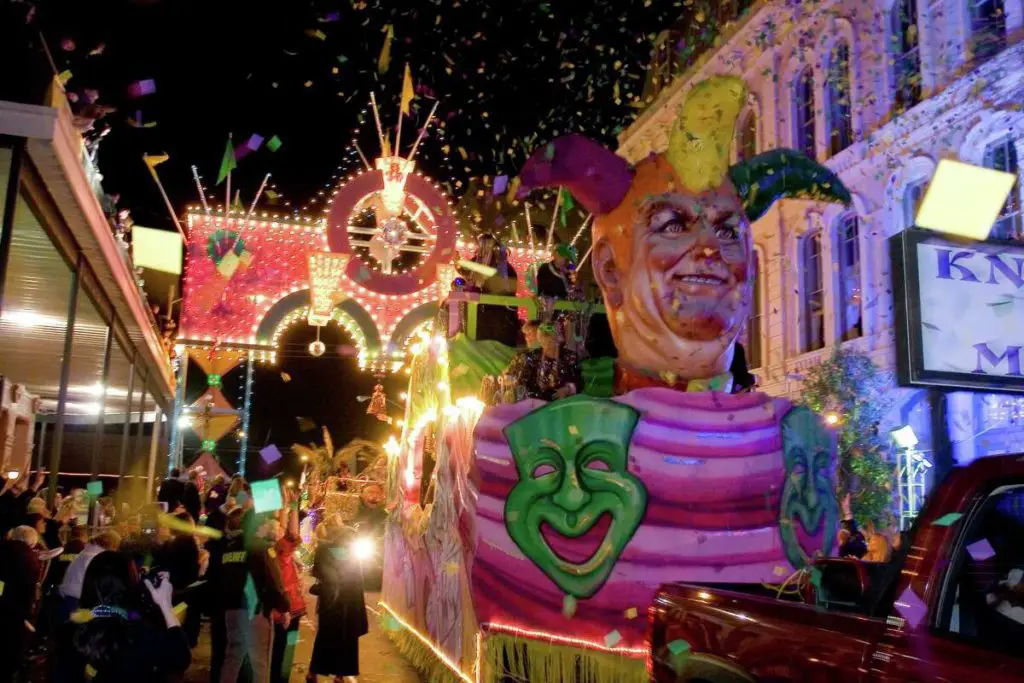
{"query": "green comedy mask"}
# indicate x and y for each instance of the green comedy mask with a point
(809, 514)
(573, 487)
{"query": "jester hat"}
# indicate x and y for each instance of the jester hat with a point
(697, 160)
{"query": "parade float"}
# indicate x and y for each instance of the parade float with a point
(526, 538)
(378, 264)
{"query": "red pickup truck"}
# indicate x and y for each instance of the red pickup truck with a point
(948, 607)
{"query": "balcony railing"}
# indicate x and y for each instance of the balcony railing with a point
(57, 99)
(530, 304)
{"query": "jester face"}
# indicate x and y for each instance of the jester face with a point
(678, 283)
(808, 512)
(576, 505)
(672, 247)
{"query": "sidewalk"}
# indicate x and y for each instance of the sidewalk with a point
(379, 661)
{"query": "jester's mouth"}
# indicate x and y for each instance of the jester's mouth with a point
(579, 550)
(699, 279)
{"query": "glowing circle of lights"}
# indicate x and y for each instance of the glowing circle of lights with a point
(424, 206)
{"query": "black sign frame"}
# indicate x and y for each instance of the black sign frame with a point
(910, 370)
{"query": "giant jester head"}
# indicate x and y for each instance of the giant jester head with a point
(673, 253)
(576, 504)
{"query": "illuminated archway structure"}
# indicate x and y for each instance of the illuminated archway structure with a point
(235, 297)
(379, 263)
(248, 277)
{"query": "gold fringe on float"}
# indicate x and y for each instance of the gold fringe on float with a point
(522, 659)
(419, 654)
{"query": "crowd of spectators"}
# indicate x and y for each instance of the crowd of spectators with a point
(124, 601)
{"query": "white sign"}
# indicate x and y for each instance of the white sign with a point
(972, 309)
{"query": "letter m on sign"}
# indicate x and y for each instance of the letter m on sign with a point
(1011, 356)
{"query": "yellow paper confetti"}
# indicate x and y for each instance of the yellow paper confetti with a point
(631, 613)
(384, 61)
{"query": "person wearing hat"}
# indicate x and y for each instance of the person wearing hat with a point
(494, 322)
(553, 278)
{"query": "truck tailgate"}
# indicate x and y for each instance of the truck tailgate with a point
(705, 634)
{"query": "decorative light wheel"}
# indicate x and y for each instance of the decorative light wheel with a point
(389, 213)
(386, 237)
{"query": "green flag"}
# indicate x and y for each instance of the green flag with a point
(227, 164)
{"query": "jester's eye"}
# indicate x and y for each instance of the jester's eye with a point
(727, 230)
(671, 222)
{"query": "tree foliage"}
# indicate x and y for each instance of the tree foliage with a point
(852, 387)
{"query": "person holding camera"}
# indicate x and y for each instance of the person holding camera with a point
(125, 628)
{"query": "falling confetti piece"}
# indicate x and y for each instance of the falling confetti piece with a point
(569, 607)
(141, 88)
(678, 647)
(981, 550)
(631, 613)
(948, 519)
(274, 144)
(612, 639)
(911, 607)
(285, 377)
(316, 33)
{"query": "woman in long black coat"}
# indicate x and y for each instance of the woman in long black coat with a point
(341, 610)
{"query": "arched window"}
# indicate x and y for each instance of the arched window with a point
(905, 54)
(746, 138)
(851, 324)
(1002, 155)
(912, 196)
(840, 121)
(754, 347)
(988, 27)
(813, 292)
(803, 112)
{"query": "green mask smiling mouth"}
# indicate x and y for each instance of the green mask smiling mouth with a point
(571, 456)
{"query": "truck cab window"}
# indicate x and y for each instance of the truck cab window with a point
(983, 600)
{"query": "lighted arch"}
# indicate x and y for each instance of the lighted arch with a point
(298, 300)
(407, 325)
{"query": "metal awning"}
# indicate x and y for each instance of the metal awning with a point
(56, 151)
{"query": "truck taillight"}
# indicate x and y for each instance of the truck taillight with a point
(655, 635)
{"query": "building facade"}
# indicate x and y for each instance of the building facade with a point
(76, 329)
(880, 91)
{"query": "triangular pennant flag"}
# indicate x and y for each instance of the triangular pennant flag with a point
(408, 92)
(154, 160)
(385, 53)
(227, 164)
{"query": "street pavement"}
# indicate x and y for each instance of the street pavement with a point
(379, 660)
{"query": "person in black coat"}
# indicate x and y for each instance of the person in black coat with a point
(181, 557)
(494, 323)
(341, 609)
(120, 636)
(553, 278)
(19, 572)
(190, 498)
(171, 490)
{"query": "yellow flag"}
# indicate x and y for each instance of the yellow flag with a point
(407, 91)
(385, 53)
(154, 160)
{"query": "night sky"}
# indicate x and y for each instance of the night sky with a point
(510, 75)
